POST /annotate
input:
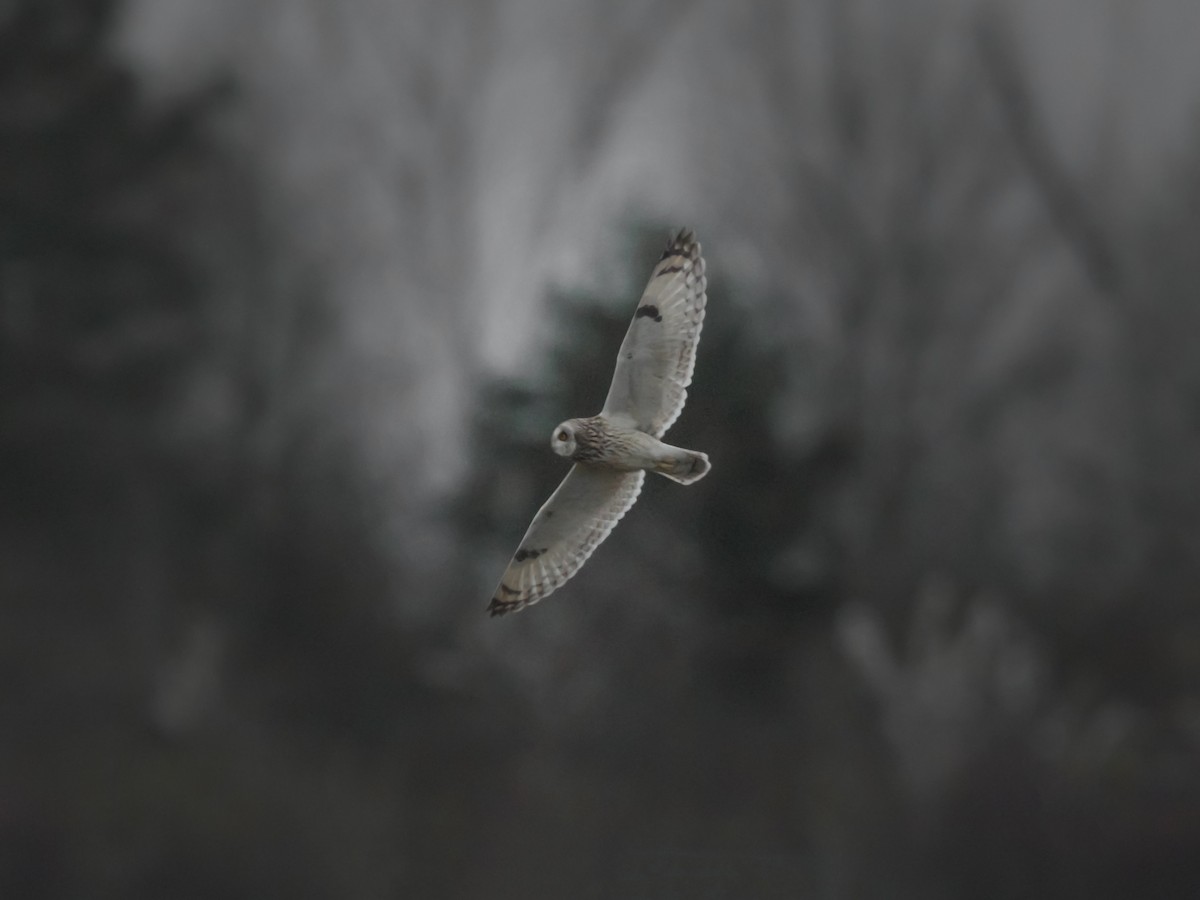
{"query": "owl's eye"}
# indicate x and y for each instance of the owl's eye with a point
(562, 435)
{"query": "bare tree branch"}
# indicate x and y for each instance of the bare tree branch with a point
(1066, 203)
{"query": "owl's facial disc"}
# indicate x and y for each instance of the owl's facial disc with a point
(563, 441)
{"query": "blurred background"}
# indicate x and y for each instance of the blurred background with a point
(292, 294)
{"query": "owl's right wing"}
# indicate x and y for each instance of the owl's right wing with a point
(569, 526)
(655, 363)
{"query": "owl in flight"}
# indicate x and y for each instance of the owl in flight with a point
(613, 451)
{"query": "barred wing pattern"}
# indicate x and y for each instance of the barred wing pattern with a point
(658, 355)
(569, 526)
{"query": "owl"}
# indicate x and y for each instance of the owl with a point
(613, 451)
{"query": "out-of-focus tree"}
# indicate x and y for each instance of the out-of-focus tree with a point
(361, 126)
(998, 341)
(101, 331)
(913, 228)
(190, 585)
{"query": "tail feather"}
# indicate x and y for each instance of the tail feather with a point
(686, 468)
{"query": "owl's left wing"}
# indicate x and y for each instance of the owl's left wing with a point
(568, 527)
(654, 366)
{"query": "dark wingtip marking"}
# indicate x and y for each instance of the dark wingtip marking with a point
(524, 554)
(679, 244)
(670, 270)
(650, 311)
(497, 608)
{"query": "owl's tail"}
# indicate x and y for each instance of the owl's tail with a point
(684, 466)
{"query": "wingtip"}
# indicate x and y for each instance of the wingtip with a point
(683, 244)
(497, 607)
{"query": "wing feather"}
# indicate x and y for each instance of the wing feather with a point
(569, 526)
(658, 355)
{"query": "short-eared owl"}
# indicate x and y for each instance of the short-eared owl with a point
(613, 451)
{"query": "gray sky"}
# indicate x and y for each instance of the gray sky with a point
(1113, 70)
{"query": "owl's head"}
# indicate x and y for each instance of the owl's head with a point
(563, 442)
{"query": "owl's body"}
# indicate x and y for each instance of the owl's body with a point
(612, 451)
(599, 442)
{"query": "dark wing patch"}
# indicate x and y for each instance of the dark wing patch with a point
(524, 554)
